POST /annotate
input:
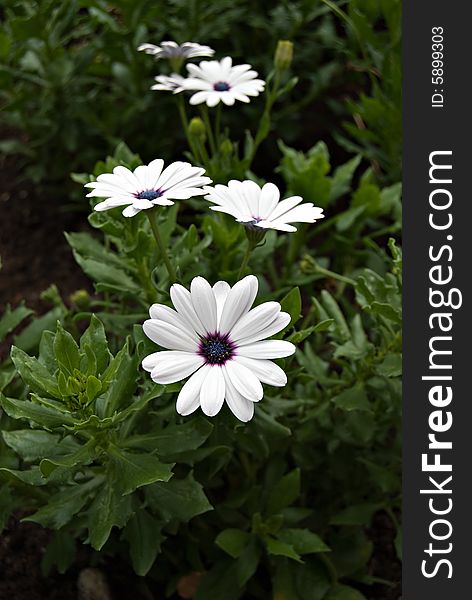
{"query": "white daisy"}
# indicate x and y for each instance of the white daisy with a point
(147, 186)
(172, 50)
(218, 81)
(169, 83)
(260, 207)
(215, 336)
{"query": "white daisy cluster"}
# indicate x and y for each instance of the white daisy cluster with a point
(211, 81)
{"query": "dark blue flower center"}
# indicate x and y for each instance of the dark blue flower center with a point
(216, 349)
(221, 86)
(149, 195)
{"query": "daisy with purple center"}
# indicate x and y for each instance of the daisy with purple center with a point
(216, 339)
(216, 81)
(147, 186)
(172, 50)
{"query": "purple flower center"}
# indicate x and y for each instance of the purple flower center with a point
(149, 195)
(216, 349)
(221, 86)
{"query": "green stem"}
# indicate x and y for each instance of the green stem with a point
(334, 275)
(151, 213)
(246, 258)
(218, 124)
(263, 130)
(184, 120)
(208, 127)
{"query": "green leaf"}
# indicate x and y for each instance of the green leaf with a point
(83, 456)
(181, 499)
(144, 535)
(23, 409)
(391, 366)
(354, 398)
(333, 310)
(93, 388)
(66, 351)
(28, 340)
(233, 541)
(94, 336)
(60, 553)
(342, 178)
(174, 438)
(121, 376)
(12, 318)
(62, 507)
(303, 541)
(33, 444)
(109, 509)
(358, 514)
(278, 548)
(34, 374)
(292, 304)
(284, 492)
(137, 470)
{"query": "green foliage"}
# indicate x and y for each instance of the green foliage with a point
(91, 447)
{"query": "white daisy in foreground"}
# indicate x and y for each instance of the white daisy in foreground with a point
(215, 336)
(260, 207)
(172, 50)
(218, 81)
(169, 83)
(147, 186)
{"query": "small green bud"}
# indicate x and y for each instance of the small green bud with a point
(283, 55)
(81, 299)
(196, 129)
(226, 147)
(51, 295)
(307, 264)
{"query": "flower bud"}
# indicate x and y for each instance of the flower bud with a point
(81, 299)
(226, 147)
(196, 129)
(307, 264)
(283, 55)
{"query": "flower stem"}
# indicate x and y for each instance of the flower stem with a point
(151, 213)
(218, 124)
(211, 137)
(183, 118)
(247, 255)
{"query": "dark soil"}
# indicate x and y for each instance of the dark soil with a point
(33, 248)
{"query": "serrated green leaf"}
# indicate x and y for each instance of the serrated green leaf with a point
(94, 336)
(12, 318)
(292, 304)
(66, 351)
(233, 541)
(278, 548)
(144, 535)
(180, 499)
(284, 492)
(303, 541)
(45, 416)
(137, 470)
(34, 374)
(354, 398)
(109, 509)
(33, 444)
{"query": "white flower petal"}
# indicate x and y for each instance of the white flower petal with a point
(278, 324)
(172, 366)
(161, 312)
(245, 382)
(169, 336)
(241, 407)
(221, 290)
(204, 303)
(265, 370)
(182, 300)
(212, 392)
(255, 320)
(268, 200)
(284, 206)
(238, 302)
(131, 211)
(188, 399)
(267, 349)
